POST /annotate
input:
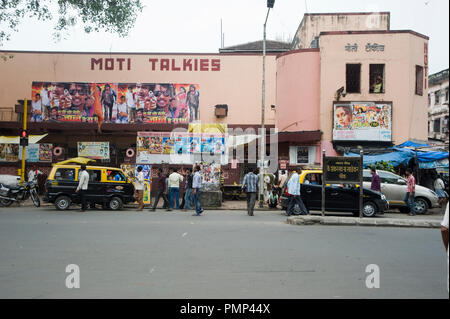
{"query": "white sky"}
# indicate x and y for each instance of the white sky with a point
(194, 26)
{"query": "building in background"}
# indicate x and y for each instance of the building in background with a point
(438, 107)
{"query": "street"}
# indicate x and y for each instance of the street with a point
(223, 254)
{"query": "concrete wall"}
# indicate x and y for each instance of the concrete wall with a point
(313, 24)
(403, 51)
(238, 83)
(298, 91)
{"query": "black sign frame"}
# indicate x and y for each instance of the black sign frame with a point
(343, 166)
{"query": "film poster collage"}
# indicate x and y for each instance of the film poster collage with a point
(119, 103)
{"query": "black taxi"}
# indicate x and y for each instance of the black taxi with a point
(108, 186)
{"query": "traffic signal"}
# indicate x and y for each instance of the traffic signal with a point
(24, 138)
(270, 3)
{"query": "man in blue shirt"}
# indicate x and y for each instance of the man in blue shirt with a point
(196, 190)
(250, 184)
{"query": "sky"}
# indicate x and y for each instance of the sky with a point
(195, 26)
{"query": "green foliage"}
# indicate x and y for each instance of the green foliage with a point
(117, 16)
(384, 166)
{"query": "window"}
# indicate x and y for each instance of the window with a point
(94, 175)
(437, 125)
(302, 155)
(313, 179)
(429, 99)
(446, 95)
(353, 78)
(116, 176)
(419, 80)
(376, 78)
(437, 97)
(65, 174)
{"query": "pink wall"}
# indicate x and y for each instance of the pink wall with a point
(298, 91)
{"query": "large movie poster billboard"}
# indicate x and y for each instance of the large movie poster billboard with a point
(362, 121)
(119, 103)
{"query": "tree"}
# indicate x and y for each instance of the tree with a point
(116, 16)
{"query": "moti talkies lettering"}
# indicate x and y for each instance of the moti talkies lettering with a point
(156, 64)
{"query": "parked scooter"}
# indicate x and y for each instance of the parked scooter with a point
(10, 194)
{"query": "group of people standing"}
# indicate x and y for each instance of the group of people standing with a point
(250, 185)
(168, 188)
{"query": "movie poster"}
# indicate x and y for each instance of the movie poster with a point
(45, 152)
(9, 152)
(94, 150)
(213, 144)
(362, 121)
(119, 103)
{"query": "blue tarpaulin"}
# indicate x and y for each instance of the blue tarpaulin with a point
(402, 155)
(412, 144)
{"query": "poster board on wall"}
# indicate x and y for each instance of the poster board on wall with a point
(362, 121)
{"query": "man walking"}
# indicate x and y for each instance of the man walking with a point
(196, 190)
(188, 190)
(83, 186)
(376, 184)
(174, 188)
(250, 185)
(294, 191)
(140, 188)
(159, 185)
(409, 197)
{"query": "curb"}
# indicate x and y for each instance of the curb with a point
(356, 221)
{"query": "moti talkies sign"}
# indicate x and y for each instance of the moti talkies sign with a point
(157, 64)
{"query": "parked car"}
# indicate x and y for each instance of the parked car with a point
(394, 188)
(108, 186)
(338, 198)
(9, 180)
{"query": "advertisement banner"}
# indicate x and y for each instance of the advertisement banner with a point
(94, 150)
(119, 103)
(45, 152)
(362, 121)
(9, 152)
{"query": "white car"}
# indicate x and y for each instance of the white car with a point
(394, 188)
(9, 180)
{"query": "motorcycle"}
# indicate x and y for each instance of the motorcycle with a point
(10, 194)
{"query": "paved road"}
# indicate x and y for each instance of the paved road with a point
(224, 254)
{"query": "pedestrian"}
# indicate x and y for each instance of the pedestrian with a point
(281, 180)
(33, 176)
(159, 188)
(410, 192)
(251, 185)
(294, 192)
(444, 232)
(174, 188)
(273, 199)
(196, 190)
(83, 186)
(376, 184)
(439, 187)
(139, 193)
(188, 190)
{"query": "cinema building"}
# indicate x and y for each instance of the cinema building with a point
(345, 82)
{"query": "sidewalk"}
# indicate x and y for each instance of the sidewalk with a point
(391, 218)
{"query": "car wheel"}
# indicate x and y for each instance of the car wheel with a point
(369, 209)
(62, 202)
(115, 203)
(420, 206)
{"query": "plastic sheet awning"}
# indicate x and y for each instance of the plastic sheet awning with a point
(32, 139)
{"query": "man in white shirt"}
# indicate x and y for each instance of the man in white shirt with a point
(444, 232)
(46, 97)
(174, 187)
(140, 184)
(36, 109)
(122, 114)
(131, 104)
(295, 196)
(83, 186)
